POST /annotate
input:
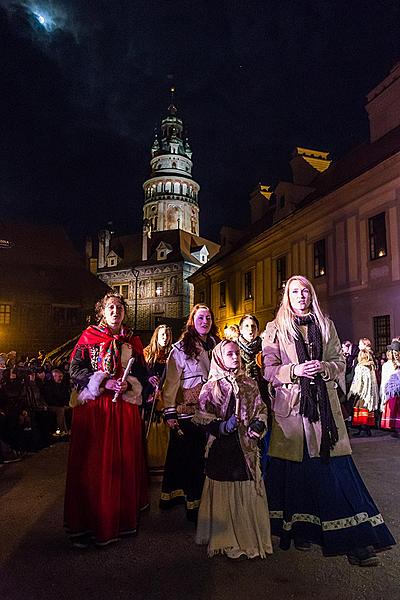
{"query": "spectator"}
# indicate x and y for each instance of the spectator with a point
(57, 399)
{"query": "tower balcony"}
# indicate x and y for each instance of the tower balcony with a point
(157, 196)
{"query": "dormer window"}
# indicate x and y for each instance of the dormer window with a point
(201, 253)
(163, 250)
(112, 259)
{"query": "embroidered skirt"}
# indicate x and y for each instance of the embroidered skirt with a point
(391, 414)
(233, 519)
(184, 468)
(324, 503)
(361, 416)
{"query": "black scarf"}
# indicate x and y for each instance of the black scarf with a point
(314, 399)
(248, 352)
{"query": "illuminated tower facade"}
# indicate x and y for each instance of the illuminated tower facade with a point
(171, 194)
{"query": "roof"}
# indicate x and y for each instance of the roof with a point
(181, 242)
(42, 266)
(358, 161)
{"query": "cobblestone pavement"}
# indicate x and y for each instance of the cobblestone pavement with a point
(37, 562)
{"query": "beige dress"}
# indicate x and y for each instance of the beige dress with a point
(233, 517)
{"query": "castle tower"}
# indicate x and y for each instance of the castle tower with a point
(171, 194)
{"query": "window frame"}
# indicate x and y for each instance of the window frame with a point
(5, 315)
(318, 267)
(222, 294)
(281, 274)
(377, 250)
(382, 336)
(248, 285)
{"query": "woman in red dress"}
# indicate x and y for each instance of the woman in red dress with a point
(106, 477)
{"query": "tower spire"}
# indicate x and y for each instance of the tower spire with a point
(172, 110)
(171, 193)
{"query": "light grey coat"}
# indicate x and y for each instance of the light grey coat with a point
(289, 428)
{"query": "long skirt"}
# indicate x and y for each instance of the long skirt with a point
(184, 468)
(361, 416)
(325, 503)
(233, 519)
(391, 414)
(106, 476)
(156, 444)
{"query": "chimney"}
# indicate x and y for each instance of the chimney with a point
(104, 247)
(260, 202)
(306, 164)
(145, 243)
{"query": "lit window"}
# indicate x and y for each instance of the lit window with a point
(319, 259)
(377, 236)
(5, 314)
(248, 285)
(159, 288)
(280, 272)
(125, 291)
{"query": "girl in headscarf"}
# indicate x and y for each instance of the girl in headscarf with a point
(233, 516)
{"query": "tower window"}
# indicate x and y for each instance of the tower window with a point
(319, 259)
(377, 236)
(159, 287)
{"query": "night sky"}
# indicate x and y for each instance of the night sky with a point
(84, 89)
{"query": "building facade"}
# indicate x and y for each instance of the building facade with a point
(47, 295)
(336, 223)
(152, 269)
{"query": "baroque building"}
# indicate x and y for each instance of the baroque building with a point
(151, 269)
(337, 223)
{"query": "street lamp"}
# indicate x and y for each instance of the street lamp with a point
(135, 273)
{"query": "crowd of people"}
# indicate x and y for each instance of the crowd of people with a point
(34, 404)
(250, 432)
(372, 388)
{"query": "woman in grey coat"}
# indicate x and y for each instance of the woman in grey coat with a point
(315, 493)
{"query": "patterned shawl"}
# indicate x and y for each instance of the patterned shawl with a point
(214, 401)
(110, 345)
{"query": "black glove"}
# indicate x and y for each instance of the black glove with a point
(256, 427)
(229, 426)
